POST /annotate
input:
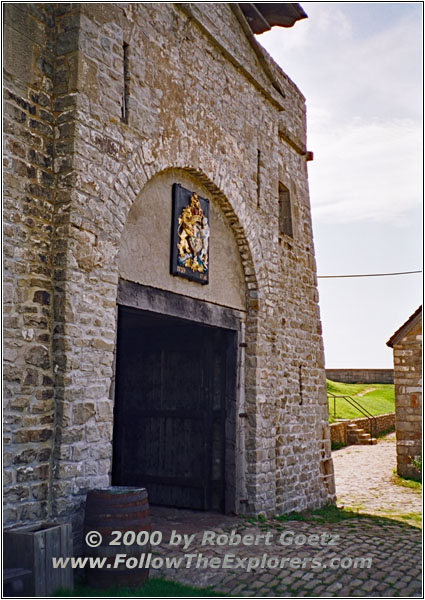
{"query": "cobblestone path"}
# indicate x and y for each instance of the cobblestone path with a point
(365, 482)
(357, 557)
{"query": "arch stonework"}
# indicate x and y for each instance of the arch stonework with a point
(93, 273)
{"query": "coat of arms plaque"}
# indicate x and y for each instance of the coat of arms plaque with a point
(190, 232)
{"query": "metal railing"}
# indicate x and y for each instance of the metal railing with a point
(356, 404)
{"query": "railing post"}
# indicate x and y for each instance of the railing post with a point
(362, 410)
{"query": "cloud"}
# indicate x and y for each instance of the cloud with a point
(365, 171)
(337, 61)
(359, 66)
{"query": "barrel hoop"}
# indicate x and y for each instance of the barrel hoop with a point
(116, 509)
(117, 499)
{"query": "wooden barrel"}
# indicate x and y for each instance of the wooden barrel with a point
(119, 510)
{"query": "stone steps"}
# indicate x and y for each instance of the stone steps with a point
(357, 435)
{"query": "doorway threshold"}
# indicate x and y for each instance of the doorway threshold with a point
(167, 519)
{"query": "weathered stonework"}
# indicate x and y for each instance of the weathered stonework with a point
(361, 375)
(407, 345)
(202, 107)
(382, 423)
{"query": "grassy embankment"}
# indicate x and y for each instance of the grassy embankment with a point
(377, 398)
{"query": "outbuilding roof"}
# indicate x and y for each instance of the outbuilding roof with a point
(411, 322)
(262, 16)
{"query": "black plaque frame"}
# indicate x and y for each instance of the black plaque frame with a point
(181, 198)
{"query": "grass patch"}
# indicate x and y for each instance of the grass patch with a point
(413, 484)
(328, 514)
(378, 401)
(334, 514)
(337, 445)
(417, 462)
(412, 517)
(385, 432)
(154, 588)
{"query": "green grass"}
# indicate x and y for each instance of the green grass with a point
(378, 401)
(417, 463)
(335, 514)
(328, 514)
(412, 518)
(385, 432)
(413, 484)
(154, 588)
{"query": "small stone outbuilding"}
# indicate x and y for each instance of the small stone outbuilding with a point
(407, 345)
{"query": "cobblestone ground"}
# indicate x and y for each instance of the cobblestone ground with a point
(359, 557)
(365, 481)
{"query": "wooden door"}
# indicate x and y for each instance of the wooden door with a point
(173, 383)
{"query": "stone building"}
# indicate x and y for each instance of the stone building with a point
(208, 388)
(407, 346)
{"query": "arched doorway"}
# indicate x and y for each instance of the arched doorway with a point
(178, 363)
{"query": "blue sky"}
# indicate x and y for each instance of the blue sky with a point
(359, 66)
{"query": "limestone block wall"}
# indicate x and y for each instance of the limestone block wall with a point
(29, 198)
(408, 400)
(338, 432)
(138, 89)
(361, 375)
(383, 423)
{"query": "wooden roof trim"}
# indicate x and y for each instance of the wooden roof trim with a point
(255, 19)
(262, 16)
(411, 322)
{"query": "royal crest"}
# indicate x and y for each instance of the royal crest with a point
(191, 233)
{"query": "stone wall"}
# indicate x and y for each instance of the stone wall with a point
(383, 423)
(29, 200)
(408, 400)
(199, 102)
(338, 433)
(361, 375)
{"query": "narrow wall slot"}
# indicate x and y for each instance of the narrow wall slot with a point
(126, 84)
(258, 178)
(301, 383)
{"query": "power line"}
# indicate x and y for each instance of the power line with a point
(367, 275)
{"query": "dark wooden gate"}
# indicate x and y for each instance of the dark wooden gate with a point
(175, 380)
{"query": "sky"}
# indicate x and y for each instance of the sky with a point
(359, 67)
